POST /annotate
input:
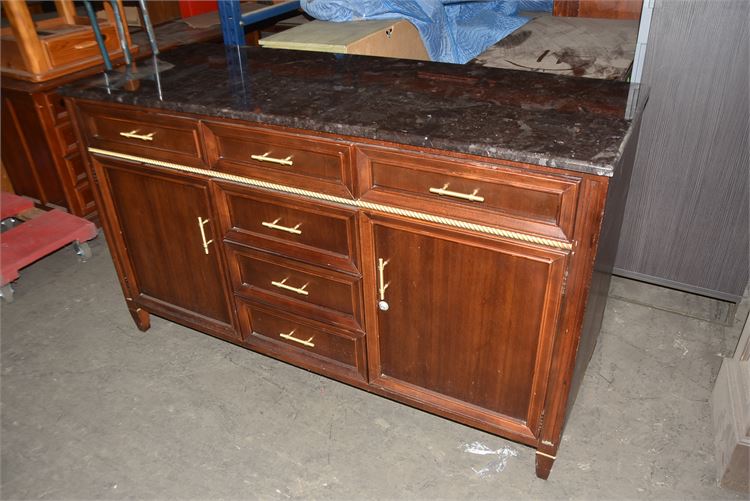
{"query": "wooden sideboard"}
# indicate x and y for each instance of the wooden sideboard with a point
(441, 235)
(39, 149)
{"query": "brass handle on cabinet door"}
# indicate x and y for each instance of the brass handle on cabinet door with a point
(275, 226)
(290, 337)
(382, 285)
(283, 285)
(265, 158)
(201, 223)
(473, 197)
(133, 134)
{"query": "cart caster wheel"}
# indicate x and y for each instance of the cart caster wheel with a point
(6, 292)
(83, 250)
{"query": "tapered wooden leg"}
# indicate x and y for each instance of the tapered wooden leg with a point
(141, 318)
(543, 465)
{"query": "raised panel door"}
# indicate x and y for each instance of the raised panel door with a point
(166, 226)
(464, 323)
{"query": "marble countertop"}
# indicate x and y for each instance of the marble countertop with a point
(564, 122)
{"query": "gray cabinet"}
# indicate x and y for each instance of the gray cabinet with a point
(686, 221)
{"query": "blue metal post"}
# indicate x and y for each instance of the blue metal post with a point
(269, 12)
(231, 22)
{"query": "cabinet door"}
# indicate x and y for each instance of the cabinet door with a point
(162, 222)
(464, 324)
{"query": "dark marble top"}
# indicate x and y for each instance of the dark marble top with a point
(570, 123)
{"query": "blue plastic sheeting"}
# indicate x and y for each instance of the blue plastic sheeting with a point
(453, 31)
(542, 5)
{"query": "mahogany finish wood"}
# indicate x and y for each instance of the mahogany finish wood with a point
(157, 215)
(327, 234)
(337, 350)
(161, 137)
(321, 294)
(480, 329)
(606, 9)
(487, 339)
(316, 164)
(511, 198)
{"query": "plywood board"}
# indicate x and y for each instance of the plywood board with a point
(387, 38)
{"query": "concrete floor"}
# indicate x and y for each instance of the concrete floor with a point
(92, 408)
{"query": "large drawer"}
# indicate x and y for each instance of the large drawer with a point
(307, 162)
(485, 193)
(307, 290)
(323, 234)
(302, 342)
(151, 135)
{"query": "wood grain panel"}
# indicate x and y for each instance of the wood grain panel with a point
(686, 222)
(607, 9)
(456, 350)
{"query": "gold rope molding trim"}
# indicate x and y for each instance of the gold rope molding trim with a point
(340, 200)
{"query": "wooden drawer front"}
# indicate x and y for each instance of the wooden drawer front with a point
(73, 48)
(160, 137)
(323, 234)
(463, 190)
(307, 290)
(298, 340)
(310, 163)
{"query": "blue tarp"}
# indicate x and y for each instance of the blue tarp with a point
(453, 31)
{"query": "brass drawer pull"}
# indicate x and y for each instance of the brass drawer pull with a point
(382, 286)
(464, 196)
(201, 223)
(275, 226)
(133, 134)
(290, 337)
(298, 290)
(265, 158)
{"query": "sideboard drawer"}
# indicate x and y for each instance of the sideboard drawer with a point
(158, 137)
(459, 189)
(323, 234)
(306, 162)
(287, 337)
(304, 289)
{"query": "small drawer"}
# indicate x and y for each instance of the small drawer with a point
(302, 342)
(323, 234)
(459, 189)
(307, 290)
(150, 135)
(307, 162)
(72, 48)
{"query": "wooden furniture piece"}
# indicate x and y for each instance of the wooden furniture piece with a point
(606, 9)
(385, 38)
(466, 285)
(54, 47)
(39, 149)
